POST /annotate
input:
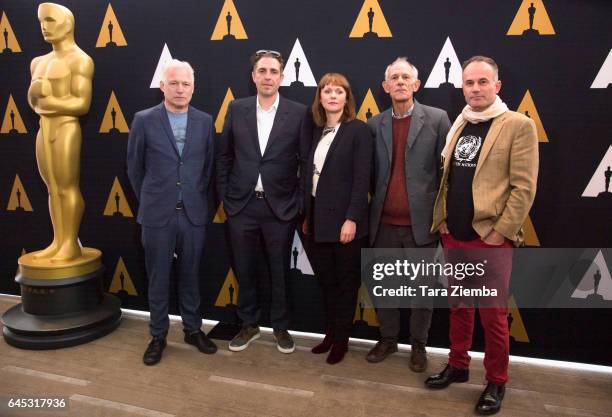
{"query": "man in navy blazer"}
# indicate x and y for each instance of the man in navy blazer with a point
(263, 147)
(170, 166)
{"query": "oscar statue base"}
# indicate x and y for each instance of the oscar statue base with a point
(61, 312)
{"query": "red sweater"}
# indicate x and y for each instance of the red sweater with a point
(396, 209)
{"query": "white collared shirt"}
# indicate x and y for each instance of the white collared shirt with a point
(265, 120)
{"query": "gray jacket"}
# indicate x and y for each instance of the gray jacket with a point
(426, 139)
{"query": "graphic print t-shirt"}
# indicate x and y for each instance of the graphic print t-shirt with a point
(460, 202)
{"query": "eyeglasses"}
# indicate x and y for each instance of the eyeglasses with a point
(275, 54)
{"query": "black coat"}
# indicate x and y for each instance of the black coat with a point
(342, 190)
(240, 161)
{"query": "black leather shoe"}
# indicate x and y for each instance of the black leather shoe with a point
(201, 341)
(154, 351)
(490, 400)
(447, 377)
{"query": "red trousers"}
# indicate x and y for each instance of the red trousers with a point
(493, 311)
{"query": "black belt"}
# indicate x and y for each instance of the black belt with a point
(179, 205)
(260, 194)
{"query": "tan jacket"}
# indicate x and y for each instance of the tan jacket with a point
(505, 180)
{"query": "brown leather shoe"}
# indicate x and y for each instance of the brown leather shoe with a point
(382, 349)
(418, 357)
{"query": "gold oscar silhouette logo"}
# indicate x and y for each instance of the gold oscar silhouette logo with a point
(528, 108)
(518, 332)
(368, 108)
(365, 314)
(18, 201)
(111, 34)
(9, 43)
(113, 120)
(220, 216)
(531, 20)
(117, 205)
(371, 22)
(229, 26)
(12, 122)
(229, 96)
(529, 233)
(122, 282)
(229, 291)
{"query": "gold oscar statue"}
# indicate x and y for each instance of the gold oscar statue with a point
(60, 92)
(62, 301)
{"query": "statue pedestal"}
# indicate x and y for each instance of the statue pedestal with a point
(60, 306)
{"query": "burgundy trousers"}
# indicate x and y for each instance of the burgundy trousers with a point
(493, 311)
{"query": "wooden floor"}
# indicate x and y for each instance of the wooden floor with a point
(107, 378)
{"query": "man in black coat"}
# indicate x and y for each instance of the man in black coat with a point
(263, 147)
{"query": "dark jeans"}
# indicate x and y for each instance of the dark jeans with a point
(391, 236)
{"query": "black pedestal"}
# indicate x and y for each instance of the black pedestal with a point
(57, 313)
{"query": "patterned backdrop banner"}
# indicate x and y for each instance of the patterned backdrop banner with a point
(555, 61)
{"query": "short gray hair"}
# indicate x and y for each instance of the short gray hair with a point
(415, 71)
(486, 60)
(175, 63)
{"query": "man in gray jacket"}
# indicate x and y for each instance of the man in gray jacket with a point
(409, 138)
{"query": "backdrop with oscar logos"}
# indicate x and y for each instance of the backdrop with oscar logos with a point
(555, 62)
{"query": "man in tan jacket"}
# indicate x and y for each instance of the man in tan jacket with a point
(488, 186)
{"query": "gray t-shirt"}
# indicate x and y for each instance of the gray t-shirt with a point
(178, 122)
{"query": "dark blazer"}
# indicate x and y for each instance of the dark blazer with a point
(156, 170)
(342, 190)
(239, 159)
(425, 142)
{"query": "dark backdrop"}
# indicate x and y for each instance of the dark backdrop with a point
(557, 69)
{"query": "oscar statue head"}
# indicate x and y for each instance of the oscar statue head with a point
(56, 22)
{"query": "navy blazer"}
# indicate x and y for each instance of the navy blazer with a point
(240, 160)
(157, 172)
(342, 189)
